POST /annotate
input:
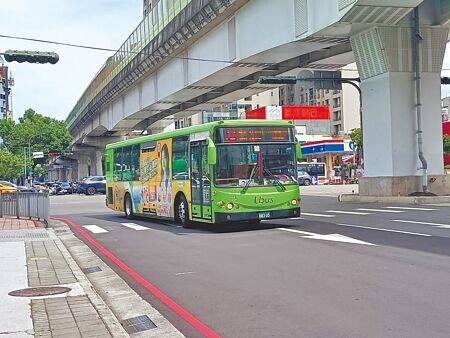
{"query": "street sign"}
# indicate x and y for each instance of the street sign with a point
(327, 83)
(38, 154)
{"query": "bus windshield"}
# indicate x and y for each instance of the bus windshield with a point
(246, 165)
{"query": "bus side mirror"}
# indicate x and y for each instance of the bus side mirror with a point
(298, 152)
(212, 155)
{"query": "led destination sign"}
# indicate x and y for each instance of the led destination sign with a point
(254, 134)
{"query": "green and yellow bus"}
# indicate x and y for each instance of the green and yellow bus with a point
(224, 171)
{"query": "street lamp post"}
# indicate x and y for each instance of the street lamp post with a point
(29, 152)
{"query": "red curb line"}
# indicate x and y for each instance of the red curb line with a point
(169, 302)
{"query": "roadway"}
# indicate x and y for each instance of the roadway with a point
(342, 270)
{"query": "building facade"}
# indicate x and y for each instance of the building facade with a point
(344, 105)
(5, 91)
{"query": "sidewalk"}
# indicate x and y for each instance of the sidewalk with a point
(36, 264)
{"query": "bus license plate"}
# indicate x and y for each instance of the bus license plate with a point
(264, 214)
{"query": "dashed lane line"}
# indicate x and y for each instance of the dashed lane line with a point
(95, 229)
(134, 226)
(380, 210)
(409, 208)
(316, 215)
(437, 225)
(381, 229)
(349, 212)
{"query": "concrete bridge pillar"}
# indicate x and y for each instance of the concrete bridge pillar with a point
(83, 169)
(98, 156)
(384, 56)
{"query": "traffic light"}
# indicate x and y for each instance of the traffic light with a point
(445, 80)
(31, 56)
(278, 80)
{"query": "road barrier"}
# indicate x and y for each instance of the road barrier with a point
(25, 204)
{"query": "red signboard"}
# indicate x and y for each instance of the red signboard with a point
(446, 128)
(290, 113)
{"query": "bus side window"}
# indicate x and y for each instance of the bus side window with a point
(117, 174)
(180, 158)
(135, 162)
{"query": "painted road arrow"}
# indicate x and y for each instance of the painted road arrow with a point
(330, 237)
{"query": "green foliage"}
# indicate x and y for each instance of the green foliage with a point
(446, 141)
(356, 137)
(45, 133)
(11, 165)
(39, 170)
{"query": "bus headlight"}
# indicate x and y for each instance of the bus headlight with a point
(230, 206)
(294, 202)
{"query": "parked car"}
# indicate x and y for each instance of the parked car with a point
(304, 178)
(92, 184)
(9, 187)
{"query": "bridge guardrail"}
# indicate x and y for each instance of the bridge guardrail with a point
(25, 204)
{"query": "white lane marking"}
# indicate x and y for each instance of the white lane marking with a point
(437, 225)
(409, 208)
(381, 229)
(134, 226)
(95, 229)
(381, 210)
(348, 212)
(330, 237)
(183, 273)
(316, 215)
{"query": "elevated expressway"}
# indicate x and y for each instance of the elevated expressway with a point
(188, 56)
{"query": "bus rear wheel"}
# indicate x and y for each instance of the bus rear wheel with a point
(182, 212)
(128, 207)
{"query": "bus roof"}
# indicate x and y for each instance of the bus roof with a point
(199, 128)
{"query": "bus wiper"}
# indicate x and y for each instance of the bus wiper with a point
(275, 179)
(247, 184)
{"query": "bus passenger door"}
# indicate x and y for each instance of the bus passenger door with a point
(200, 181)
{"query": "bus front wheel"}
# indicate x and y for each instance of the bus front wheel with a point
(182, 212)
(128, 207)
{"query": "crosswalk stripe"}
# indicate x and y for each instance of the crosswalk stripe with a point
(348, 212)
(316, 215)
(134, 226)
(381, 229)
(409, 208)
(438, 225)
(380, 210)
(95, 229)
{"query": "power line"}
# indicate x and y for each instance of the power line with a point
(115, 51)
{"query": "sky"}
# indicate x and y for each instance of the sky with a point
(53, 90)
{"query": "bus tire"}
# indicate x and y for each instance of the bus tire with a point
(128, 206)
(182, 212)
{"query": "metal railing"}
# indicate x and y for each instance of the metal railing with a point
(25, 204)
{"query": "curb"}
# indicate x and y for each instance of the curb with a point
(353, 198)
(105, 313)
(121, 301)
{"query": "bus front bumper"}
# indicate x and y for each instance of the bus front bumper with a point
(222, 217)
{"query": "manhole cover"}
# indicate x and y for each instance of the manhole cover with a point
(91, 269)
(39, 291)
(138, 324)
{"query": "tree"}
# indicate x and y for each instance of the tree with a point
(446, 141)
(355, 136)
(46, 134)
(11, 165)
